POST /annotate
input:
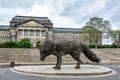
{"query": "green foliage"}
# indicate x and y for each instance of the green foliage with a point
(37, 43)
(91, 46)
(0, 45)
(103, 46)
(96, 29)
(91, 34)
(8, 44)
(99, 24)
(24, 43)
(115, 36)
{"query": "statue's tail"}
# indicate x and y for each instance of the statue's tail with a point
(89, 54)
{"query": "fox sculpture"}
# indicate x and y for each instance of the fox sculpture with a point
(72, 48)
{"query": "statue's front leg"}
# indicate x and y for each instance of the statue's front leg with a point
(58, 64)
(78, 63)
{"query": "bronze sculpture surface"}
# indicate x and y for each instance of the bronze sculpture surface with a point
(66, 47)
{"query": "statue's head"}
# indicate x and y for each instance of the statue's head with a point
(45, 49)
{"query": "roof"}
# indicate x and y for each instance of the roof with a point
(73, 30)
(20, 19)
(4, 27)
(28, 21)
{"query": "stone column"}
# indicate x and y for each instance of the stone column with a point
(29, 33)
(46, 35)
(34, 38)
(40, 34)
(34, 33)
(16, 35)
(23, 32)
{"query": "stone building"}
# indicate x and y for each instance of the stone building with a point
(67, 34)
(4, 33)
(36, 28)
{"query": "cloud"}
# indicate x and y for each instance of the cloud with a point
(41, 9)
(16, 3)
(10, 11)
(111, 13)
(81, 11)
(63, 13)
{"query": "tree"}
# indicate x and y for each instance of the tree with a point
(97, 29)
(115, 36)
(91, 35)
(99, 24)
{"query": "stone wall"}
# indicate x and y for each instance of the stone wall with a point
(4, 36)
(19, 55)
(67, 36)
(22, 55)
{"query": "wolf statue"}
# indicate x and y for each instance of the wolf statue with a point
(66, 47)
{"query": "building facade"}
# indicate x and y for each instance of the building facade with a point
(36, 28)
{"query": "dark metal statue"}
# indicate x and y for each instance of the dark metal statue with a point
(66, 47)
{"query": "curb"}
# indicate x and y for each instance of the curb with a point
(106, 72)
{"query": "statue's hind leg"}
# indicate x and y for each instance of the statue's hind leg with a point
(75, 56)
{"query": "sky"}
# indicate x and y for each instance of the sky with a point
(63, 13)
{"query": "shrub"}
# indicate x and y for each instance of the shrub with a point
(8, 44)
(37, 43)
(91, 46)
(0, 45)
(24, 43)
(103, 46)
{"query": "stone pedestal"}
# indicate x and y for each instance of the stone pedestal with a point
(66, 71)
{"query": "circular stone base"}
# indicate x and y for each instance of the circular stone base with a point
(66, 71)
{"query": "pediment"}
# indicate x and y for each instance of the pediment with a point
(31, 24)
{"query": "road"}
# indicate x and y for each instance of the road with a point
(7, 74)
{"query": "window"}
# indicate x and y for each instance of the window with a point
(13, 33)
(20, 33)
(2, 39)
(25, 32)
(43, 33)
(31, 32)
(8, 34)
(13, 38)
(2, 33)
(37, 33)
(50, 33)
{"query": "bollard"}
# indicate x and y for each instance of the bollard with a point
(12, 64)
